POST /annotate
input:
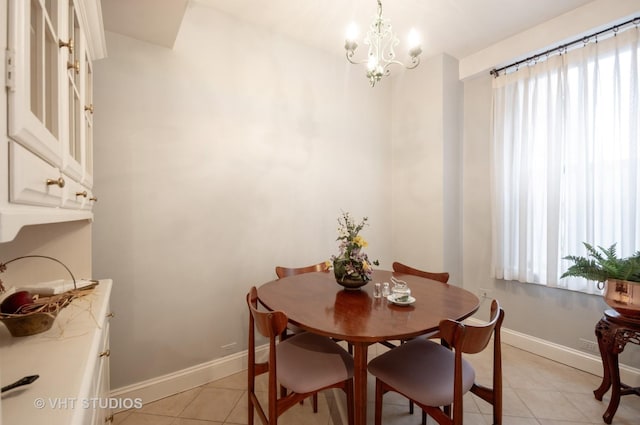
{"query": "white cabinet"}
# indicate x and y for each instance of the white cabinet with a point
(49, 97)
(72, 360)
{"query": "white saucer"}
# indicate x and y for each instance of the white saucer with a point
(401, 299)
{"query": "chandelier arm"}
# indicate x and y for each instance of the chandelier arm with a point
(415, 61)
(392, 62)
(359, 62)
(397, 62)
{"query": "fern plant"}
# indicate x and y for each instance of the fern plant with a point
(601, 264)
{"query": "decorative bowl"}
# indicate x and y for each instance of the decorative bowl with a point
(351, 284)
(623, 296)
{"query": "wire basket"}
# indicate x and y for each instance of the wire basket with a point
(38, 316)
(28, 324)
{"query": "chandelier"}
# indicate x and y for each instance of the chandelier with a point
(381, 41)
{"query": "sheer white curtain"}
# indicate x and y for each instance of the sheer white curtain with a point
(566, 161)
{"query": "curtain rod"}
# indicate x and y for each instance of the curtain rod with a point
(563, 48)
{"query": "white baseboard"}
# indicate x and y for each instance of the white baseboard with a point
(569, 356)
(186, 379)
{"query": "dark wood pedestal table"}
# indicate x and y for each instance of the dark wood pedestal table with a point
(316, 303)
(614, 331)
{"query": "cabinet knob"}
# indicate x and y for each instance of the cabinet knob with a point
(89, 108)
(108, 419)
(110, 315)
(105, 353)
(94, 199)
(58, 182)
(68, 45)
(83, 193)
(75, 66)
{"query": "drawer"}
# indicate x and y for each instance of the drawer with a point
(76, 196)
(32, 181)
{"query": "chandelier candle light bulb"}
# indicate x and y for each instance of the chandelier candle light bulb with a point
(414, 43)
(351, 35)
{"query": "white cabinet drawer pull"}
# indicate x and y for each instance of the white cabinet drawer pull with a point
(75, 66)
(105, 353)
(110, 315)
(83, 193)
(59, 182)
(68, 45)
(94, 199)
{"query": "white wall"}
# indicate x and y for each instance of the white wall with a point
(426, 167)
(215, 161)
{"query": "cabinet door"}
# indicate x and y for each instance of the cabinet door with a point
(74, 121)
(87, 178)
(34, 86)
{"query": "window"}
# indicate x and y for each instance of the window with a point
(566, 161)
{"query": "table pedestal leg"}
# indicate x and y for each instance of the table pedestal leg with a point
(612, 363)
(605, 346)
(360, 382)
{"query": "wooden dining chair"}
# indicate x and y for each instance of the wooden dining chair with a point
(305, 364)
(442, 277)
(291, 328)
(435, 377)
(402, 268)
(290, 271)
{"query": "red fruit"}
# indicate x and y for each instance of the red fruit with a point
(13, 302)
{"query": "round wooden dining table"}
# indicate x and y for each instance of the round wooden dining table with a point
(316, 303)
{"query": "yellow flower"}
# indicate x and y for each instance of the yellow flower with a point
(359, 240)
(366, 266)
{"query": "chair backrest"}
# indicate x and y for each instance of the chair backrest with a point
(290, 271)
(472, 339)
(269, 323)
(402, 268)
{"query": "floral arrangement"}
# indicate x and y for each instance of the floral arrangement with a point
(352, 263)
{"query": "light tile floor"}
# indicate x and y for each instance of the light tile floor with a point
(537, 391)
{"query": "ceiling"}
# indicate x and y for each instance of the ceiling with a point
(456, 27)
(155, 21)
